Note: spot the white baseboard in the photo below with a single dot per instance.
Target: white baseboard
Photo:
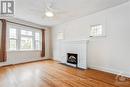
(109, 70)
(18, 62)
(113, 71)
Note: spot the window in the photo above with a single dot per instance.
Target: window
(96, 30)
(60, 36)
(25, 32)
(22, 39)
(37, 40)
(13, 39)
(26, 43)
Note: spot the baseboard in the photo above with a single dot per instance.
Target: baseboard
(31, 61)
(22, 62)
(113, 71)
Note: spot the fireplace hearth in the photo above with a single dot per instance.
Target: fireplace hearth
(72, 58)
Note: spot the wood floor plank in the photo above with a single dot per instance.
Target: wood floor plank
(52, 74)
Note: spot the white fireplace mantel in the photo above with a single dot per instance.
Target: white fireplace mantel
(76, 46)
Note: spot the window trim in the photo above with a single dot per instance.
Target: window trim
(18, 40)
(96, 25)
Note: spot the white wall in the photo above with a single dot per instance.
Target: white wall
(110, 53)
(14, 57)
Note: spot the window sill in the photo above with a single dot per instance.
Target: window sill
(25, 51)
(97, 36)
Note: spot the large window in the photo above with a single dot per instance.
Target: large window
(24, 39)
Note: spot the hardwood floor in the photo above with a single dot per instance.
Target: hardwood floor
(52, 74)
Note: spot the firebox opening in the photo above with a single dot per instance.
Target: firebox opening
(72, 58)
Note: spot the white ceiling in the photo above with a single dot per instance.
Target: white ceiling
(33, 10)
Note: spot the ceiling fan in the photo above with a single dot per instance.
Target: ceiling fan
(50, 11)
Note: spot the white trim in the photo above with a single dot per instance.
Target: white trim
(113, 71)
(24, 51)
(6, 64)
(18, 40)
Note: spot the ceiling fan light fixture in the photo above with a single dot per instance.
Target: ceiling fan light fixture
(49, 14)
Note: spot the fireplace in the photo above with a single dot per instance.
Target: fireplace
(75, 48)
(72, 58)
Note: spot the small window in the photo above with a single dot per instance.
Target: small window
(37, 41)
(13, 39)
(37, 36)
(12, 33)
(26, 43)
(12, 45)
(27, 33)
(96, 30)
(60, 36)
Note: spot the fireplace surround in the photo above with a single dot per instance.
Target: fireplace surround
(78, 47)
